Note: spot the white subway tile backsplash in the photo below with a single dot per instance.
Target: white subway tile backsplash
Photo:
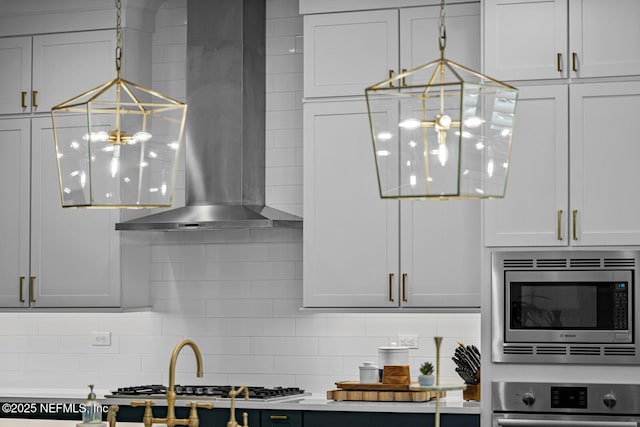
(288, 26)
(260, 327)
(320, 365)
(240, 364)
(320, 326)
(236, 293)
(239, 308)
(285, 346)
(285, 64)
(287, 82)
(282, 9)
(351, 346)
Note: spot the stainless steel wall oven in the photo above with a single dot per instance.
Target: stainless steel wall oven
(518, 404)
(565, 307)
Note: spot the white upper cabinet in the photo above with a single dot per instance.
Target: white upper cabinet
(65, 65)
(535, 208)
(15, 148)
(347, 52)
(573, 177)
(361, 251)
(440, 254)
(15, 72)
(604, 173)
(420, 34)
(550, 39)
(351, 234)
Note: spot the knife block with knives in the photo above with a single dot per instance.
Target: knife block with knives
(467, 360)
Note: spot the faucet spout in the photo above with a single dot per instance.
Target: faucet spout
(171, 391)
(174, 358)
(170, 420)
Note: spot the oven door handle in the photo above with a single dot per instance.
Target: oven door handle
(509, 422)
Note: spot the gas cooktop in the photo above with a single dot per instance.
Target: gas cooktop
(156, 391)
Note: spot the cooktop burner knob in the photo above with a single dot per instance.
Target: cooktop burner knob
(528, 398)
(609, 400)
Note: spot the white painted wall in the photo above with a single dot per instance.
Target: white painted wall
(236, 293)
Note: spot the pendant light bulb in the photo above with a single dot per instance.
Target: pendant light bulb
(443, 152)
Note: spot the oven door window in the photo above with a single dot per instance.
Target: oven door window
(568, 305)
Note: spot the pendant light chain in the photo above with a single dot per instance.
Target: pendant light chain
(118, 38)
(443, 30)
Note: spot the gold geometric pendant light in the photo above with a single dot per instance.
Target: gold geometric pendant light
(125, 153)
(449, 138)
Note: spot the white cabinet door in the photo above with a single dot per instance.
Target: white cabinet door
(420, 32)
(14, 212)
(440, 254)
(546, 39)
(605, 148)
(534, 211)
(74, 252)
(350, 234)
(525, 39)
(15, 75)
(605, 37)
(68, 64)
(347, 52)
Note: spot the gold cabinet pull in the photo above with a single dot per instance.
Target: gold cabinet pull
(575, 227)
(34, 98)
(32, 298)
(391, 287)
(404, 287)
(559, 224)
(404, 79)
(278, 417)
(23, 99)
(574, 62)
(391, 76)
(21, 288)
(559, 62)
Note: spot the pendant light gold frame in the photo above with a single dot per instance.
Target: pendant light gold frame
(118, 144)
(441, 131)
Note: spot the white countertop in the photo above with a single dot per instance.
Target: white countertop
(314, 402)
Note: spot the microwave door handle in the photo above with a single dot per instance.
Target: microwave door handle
(509, 422)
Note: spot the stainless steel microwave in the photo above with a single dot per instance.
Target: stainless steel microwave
(565, 307)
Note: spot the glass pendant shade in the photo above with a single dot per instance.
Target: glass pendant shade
(125, 154)
(442, 131)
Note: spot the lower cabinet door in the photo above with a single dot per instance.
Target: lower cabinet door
(386, 419)
(281, 418)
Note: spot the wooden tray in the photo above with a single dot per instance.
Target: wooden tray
(379, 392)
(356, 385)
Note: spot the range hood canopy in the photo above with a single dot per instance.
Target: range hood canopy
(225, 128)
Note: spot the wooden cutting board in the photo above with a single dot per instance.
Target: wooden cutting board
(379, 392)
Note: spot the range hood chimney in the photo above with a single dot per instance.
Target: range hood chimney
(225, 138)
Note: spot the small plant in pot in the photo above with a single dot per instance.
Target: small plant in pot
(426, 378)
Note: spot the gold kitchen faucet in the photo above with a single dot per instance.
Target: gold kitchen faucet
(170, 420)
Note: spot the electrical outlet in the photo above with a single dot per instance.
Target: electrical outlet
(101, 338)
(408, 340)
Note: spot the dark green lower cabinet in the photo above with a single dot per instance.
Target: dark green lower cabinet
(216, 417)
(281, 419)
(386, 419)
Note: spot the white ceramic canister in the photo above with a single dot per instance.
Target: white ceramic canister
(393, 355)
(368, 373)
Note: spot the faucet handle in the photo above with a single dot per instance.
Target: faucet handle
(194, 421)
(147, 418)
(147, 403)
(245, 419)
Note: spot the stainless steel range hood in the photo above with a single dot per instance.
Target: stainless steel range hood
(225, 139)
